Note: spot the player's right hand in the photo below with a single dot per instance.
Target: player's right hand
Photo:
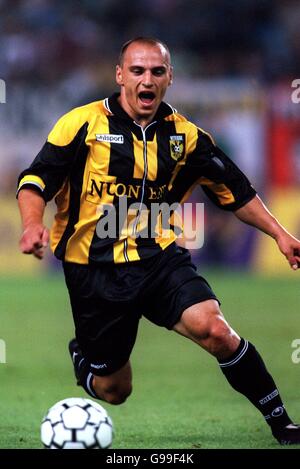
(290, 248)
(34, 240)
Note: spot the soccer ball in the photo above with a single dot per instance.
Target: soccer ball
(77, 423)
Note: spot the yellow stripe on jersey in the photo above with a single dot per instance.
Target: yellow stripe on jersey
(166, 236)
(118, 251)
(62, 216)
(68, 125)
(129, 232)
(166, 240)
(78, 245)
(152, 159)
(31, 179)
(89, 216)
(224, 194)
(139, 165)
(139, 162)
(99, 155)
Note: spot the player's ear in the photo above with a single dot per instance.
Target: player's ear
(119, 75)
(171, 76)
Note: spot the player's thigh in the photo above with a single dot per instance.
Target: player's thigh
(176, 287)
(105, 329)
(106, 332)
(200, 319)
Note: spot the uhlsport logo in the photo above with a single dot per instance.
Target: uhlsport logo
(177, 146)
(277, 412)
(110, 138)
(2, 92)
(98, 366)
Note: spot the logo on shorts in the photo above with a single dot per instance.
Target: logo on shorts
(99, 366)
(110, 138)
(177, 146)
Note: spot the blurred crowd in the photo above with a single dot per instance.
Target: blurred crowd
(66, 51)
(56, 42)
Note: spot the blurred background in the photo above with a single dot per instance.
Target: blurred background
(234, 66)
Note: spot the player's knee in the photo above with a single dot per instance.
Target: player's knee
(198, 321)
(220, 335)
(113, 393)
(205, 325)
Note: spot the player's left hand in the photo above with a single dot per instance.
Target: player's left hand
(290, 248)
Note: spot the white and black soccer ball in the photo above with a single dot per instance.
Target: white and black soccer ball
(77, 423)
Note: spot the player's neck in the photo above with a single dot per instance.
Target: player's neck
(141, 120)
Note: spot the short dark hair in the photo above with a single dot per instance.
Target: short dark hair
(145, 40)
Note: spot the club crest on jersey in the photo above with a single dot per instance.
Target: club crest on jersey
(177, 146)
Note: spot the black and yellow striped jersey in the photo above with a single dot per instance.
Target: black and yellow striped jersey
(97, 157)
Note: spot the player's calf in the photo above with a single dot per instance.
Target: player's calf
(111, 389)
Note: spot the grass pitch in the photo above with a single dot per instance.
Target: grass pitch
(180, 397)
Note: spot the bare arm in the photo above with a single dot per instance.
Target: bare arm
(255, 213)
(35, 235)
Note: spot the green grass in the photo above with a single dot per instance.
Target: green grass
(180, 398)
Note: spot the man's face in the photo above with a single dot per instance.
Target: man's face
(143, 77)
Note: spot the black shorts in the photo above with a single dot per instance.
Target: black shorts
(108, 301)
